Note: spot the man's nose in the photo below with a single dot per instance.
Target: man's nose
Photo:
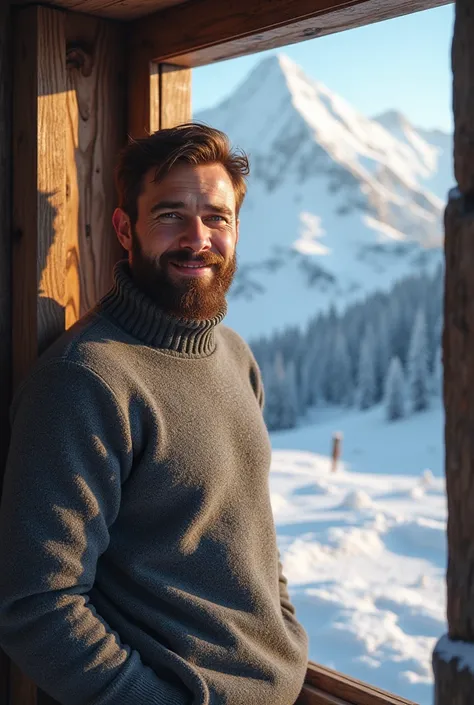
(197, 236)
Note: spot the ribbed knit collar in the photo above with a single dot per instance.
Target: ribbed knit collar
(142, 318)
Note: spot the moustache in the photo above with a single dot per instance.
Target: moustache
(184, 257)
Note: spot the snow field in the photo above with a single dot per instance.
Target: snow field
(365, 552)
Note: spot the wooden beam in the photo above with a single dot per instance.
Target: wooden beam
(454, 682)
(346, 689)
(159, 95)
(314, 696)
(143, 107)
(6, 65)
(203, 31)
(39, 183)
(112, 9)
(175, 95)
(39, 201)
(96, 120)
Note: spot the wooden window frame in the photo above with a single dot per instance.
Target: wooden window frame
(160, 56)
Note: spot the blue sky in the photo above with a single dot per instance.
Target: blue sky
(401, 64)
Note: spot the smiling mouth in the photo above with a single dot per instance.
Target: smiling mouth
(196, 268)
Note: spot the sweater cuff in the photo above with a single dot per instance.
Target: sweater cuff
(149, 689)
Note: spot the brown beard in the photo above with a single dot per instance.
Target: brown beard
(191, 298)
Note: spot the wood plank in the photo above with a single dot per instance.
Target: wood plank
(133, 9)
(454, 683)
(314, 696)
(463, 96)
(349, 689)
(112, 9)
(159, 96)
(39, 184)
(203, 31)
(39, 197)
(143, 107)
(96, 132)
(175, 95)
(6, 66)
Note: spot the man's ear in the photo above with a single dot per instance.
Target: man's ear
(123, 228)
(237, 231)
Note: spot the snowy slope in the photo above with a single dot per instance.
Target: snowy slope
(338, 204)
(364, 548)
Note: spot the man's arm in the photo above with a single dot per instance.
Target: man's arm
(70, 451)
(285, 602)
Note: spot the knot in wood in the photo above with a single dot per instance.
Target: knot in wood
(79, 56)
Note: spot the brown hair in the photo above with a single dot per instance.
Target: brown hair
(191, 143)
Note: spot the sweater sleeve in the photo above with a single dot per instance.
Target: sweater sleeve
(285, 602)
(70, 451)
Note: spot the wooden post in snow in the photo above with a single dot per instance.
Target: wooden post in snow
(336, 450)
(453, 658)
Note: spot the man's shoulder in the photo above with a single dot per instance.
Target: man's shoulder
(234, 342)
(238, 348)
(91, 344)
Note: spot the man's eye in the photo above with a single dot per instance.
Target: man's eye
(216, 217)
(169, 215)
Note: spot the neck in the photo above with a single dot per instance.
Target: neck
(137, 313)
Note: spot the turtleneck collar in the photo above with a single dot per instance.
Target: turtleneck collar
(142, 318)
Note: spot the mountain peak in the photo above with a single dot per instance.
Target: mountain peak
(392, 120)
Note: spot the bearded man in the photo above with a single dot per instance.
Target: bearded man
(138, 556)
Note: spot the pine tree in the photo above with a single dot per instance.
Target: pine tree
(418, 374)
(366, 372)
(338, 370)
(280, 400)
(437, 377)
(382, 356)
(293, 406)
(395, 391)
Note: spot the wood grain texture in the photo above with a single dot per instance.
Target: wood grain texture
(143, 101)
(349, 689)
(203, 31)
(463, 95)
(39, 184)
(159, 96)
(5, 268)
(6, 67)
(95, 133)
(112, 9)
(39, 196)
(455, 687)
(175, 95)
(314, 696)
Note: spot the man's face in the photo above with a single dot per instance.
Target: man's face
(182, 247)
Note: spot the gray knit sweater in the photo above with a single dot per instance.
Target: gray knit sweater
(138, 560)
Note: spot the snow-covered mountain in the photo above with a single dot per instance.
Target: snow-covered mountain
(338, 205)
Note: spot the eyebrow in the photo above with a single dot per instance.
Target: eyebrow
(167, 205)
(176, 205)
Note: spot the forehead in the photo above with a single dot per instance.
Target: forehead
(208, 183)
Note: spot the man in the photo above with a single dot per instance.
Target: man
(138, 560)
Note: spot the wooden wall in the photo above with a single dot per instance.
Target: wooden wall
(159, 95)
(454, 682)
(70, 104)
(96, 116)
(5, 301)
